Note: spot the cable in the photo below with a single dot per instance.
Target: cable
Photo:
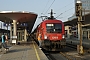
(64, 12)
(50, 6)
(66, 5)
(66, 15)
(45, 6)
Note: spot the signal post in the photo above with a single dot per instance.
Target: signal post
(79, 15)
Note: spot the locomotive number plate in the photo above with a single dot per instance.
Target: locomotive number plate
(54, 37)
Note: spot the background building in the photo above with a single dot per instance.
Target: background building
(86, 24)
(85, 4)
(85, 7)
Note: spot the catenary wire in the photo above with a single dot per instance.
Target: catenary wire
(66, 15)
(49, 7)
(65, 6)
(45, 6)
(64, 12)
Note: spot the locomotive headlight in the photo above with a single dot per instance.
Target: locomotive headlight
(45, 36)
(63, 36)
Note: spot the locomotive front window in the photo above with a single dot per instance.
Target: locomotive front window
(54, 28)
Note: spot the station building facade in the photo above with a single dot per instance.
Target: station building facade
(71, 28)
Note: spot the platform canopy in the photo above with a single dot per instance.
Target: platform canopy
(24, 19)
(73, 22)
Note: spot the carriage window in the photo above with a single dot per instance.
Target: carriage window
(54, 28)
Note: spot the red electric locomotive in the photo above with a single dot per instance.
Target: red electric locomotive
(52, 34)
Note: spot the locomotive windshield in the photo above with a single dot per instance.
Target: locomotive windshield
(54, 28)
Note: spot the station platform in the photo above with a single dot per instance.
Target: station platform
(24, 52)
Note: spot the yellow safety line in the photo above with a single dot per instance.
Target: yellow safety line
(36, 52)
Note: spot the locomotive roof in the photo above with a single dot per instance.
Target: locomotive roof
(55, 20)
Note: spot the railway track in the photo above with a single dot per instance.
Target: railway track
(72, 53)
(67, 54)
(60, 55)
(50, 57)
(55, 56)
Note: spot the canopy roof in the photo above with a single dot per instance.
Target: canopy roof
(21, 17)
(85, 20)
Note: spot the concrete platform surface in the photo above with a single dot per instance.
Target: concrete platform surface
(24, 52)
